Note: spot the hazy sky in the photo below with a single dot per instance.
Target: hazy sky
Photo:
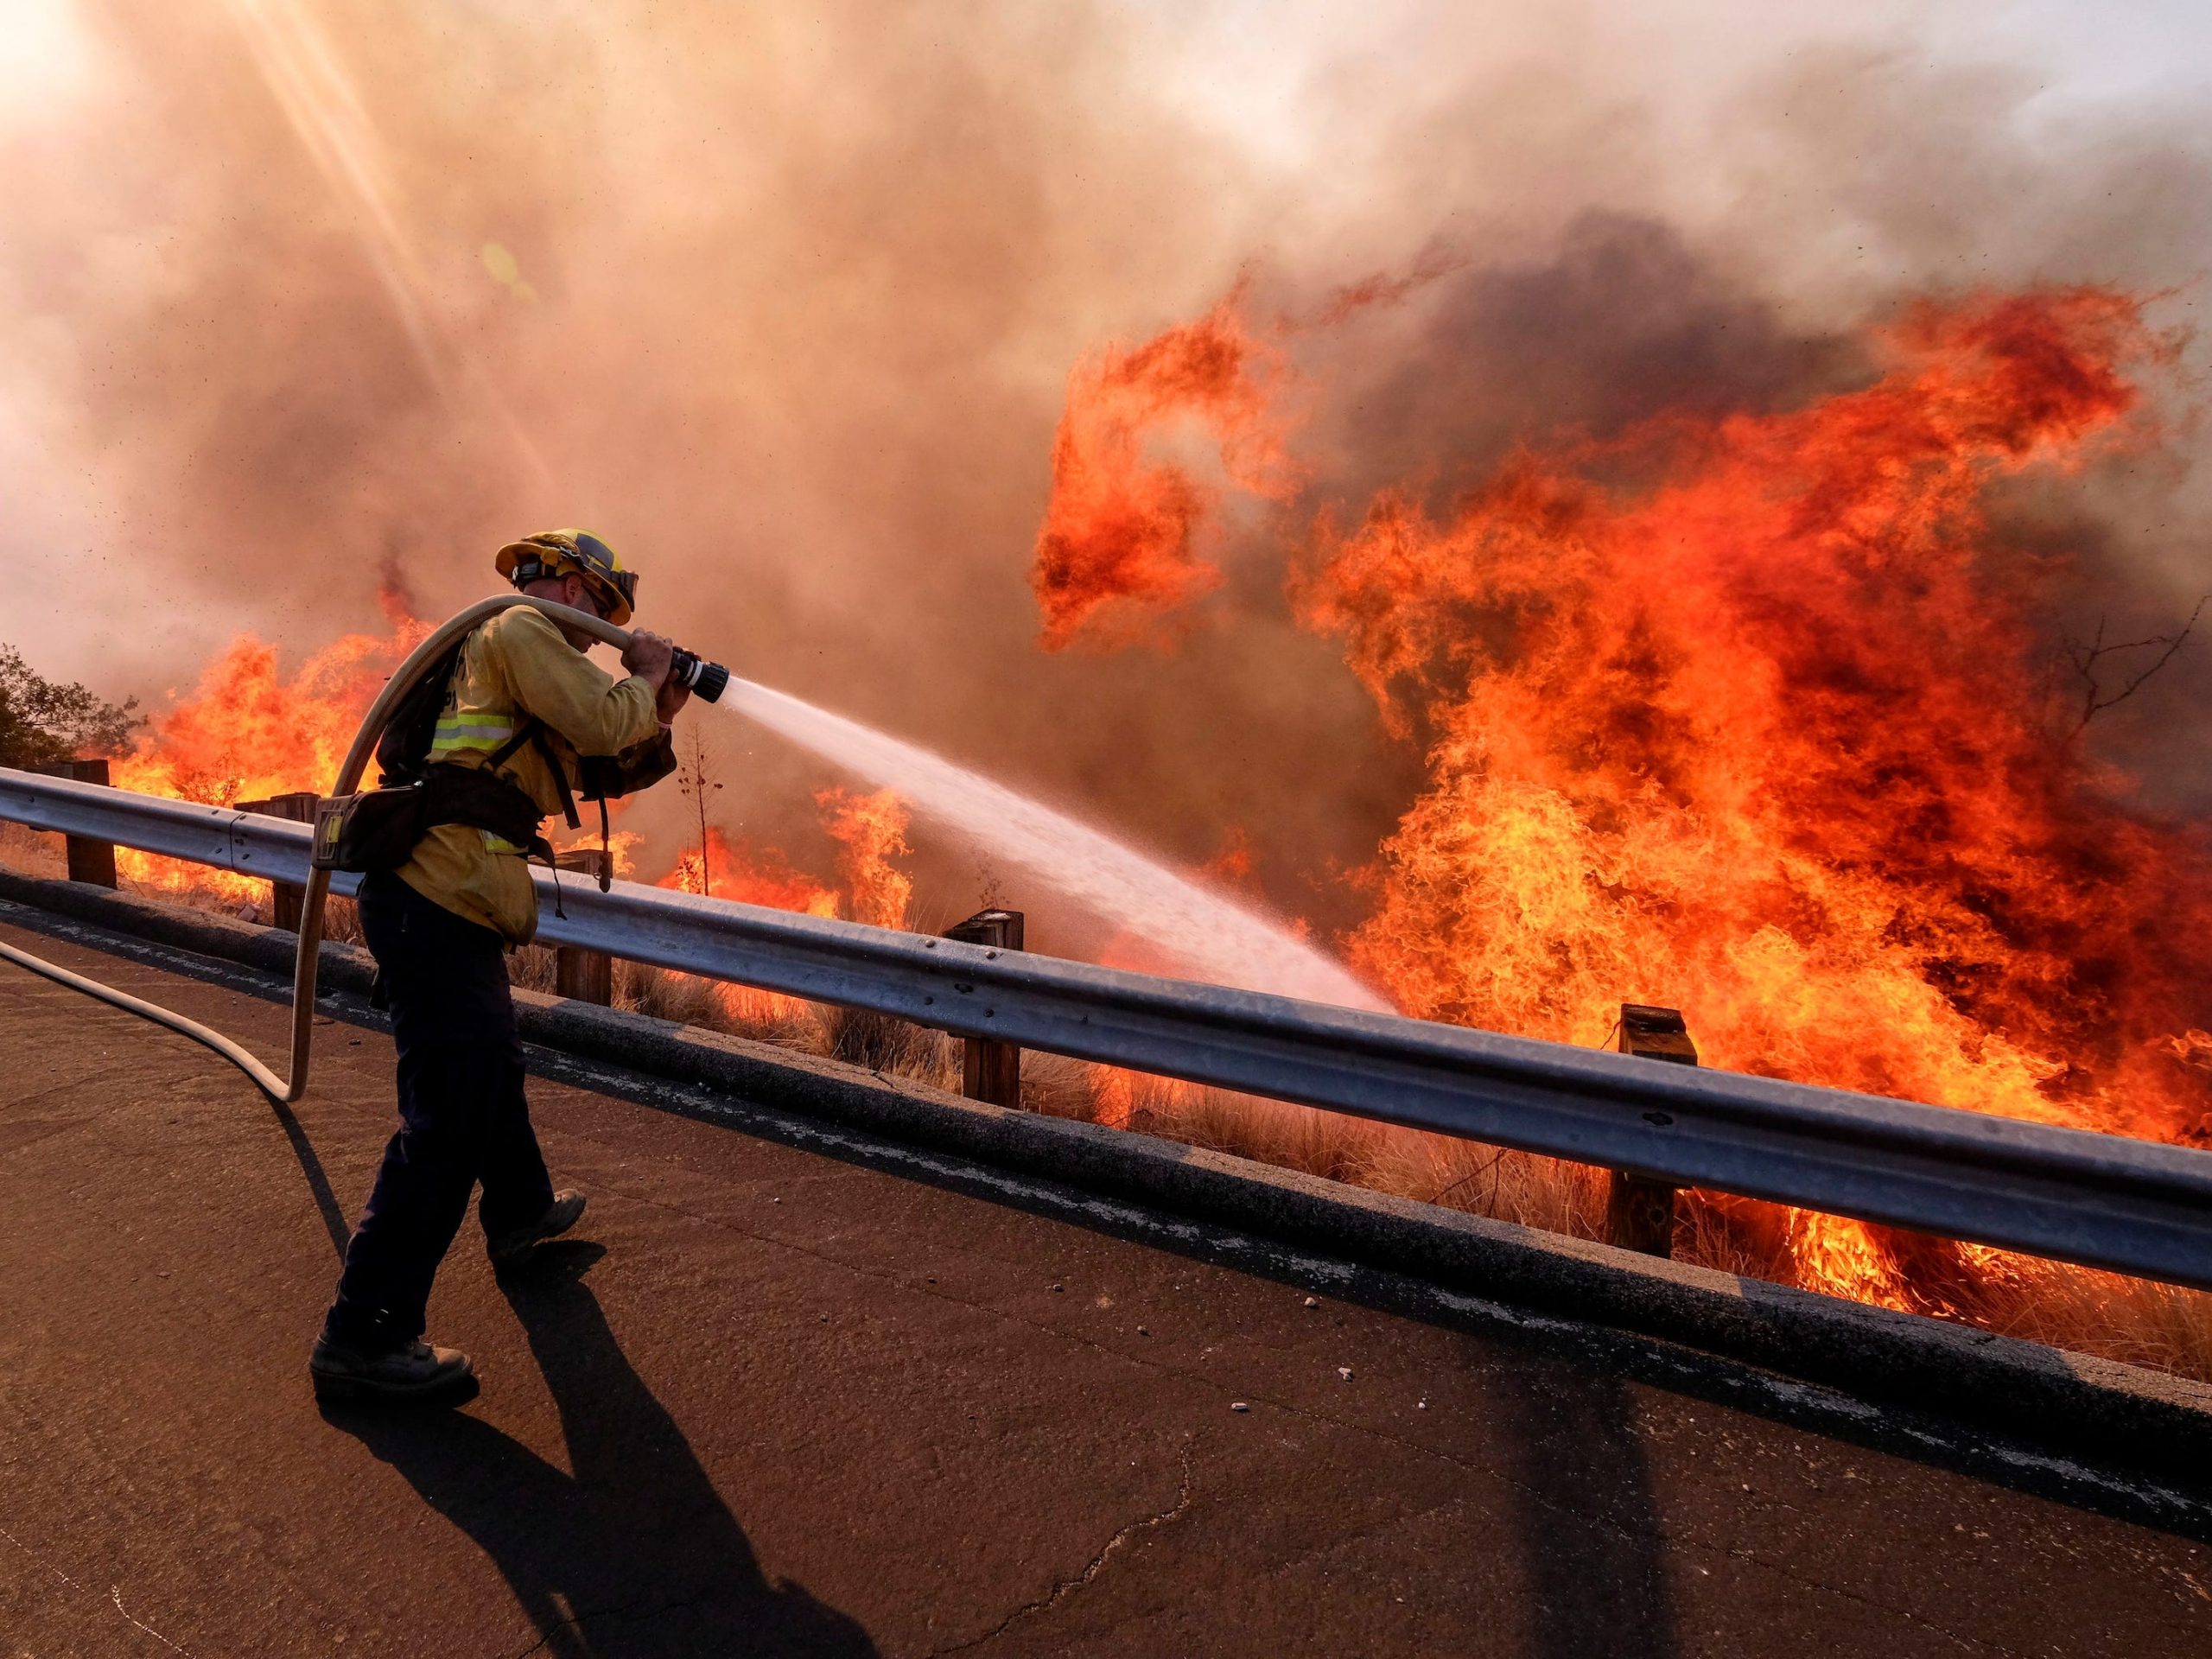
(1302, 89)
(1252, 64)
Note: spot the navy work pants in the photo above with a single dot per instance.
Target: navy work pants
(462, 1116)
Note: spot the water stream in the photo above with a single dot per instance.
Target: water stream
(1214, 936)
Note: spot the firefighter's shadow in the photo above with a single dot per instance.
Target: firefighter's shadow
(1591, 1541)
(636, 1555)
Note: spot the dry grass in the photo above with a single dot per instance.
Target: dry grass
(1522, 1187)
(28, 852)
(873, 1040)
(1053, 1085)
(2162, 1326)
(892, 1046)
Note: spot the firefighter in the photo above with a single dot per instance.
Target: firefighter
(526, 707)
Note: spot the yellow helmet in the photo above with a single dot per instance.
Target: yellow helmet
(552, 553)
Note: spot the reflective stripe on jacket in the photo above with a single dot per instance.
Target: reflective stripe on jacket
(458, 734)
(515, 666)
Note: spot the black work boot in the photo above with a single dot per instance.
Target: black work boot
(415, 1373)
(512, 1247)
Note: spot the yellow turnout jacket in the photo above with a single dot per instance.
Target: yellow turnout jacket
(518, 664)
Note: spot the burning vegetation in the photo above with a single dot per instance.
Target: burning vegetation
(1748, 715)
(1119, 545)
(750, 875)
(248, 731)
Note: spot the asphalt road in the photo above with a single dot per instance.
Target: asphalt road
(778, 1400)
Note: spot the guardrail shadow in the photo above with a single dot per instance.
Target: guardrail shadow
(634, 1556)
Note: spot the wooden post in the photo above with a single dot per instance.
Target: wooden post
(89, 861)
(289, 902)
(990, 1069)
(1639, 1211)
(580, 975)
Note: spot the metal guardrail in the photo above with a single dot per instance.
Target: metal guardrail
(2102, 1200)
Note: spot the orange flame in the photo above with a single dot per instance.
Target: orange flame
(872, 832)
(1118, 549)
(1232, 866)
(1762, 735)
(621, 844)
(749, 875)
(248, 732)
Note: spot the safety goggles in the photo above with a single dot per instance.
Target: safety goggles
(599, 558)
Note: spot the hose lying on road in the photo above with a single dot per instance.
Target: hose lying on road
(270, 1083)
(418, 662)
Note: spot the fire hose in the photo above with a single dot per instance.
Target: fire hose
(688, 670)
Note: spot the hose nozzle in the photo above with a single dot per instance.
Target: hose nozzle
(696, 674)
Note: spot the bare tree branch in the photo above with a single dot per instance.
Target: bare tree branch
(2086, 659)
(694, 780)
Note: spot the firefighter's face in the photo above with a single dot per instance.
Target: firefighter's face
(573, 591)
(583, 595)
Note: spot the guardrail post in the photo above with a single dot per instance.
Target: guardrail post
(990, 1069)
(298, 805)
(580, 975)
(1640, 1212)
(89, 861)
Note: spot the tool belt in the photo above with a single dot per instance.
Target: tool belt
(379, 828)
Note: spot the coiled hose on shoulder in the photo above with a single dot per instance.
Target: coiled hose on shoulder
(418, 662)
